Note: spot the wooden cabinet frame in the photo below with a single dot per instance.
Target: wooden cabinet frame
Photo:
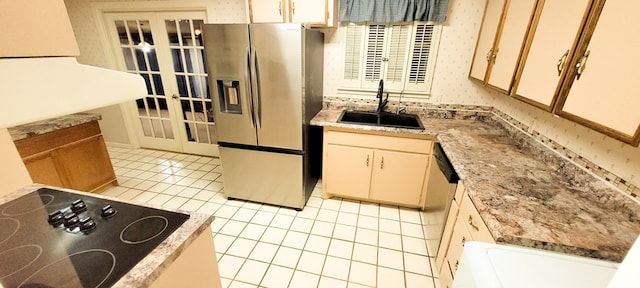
(566, 77)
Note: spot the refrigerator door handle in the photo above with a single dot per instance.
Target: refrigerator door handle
(255, 84)
(257, 67)
(247, 77)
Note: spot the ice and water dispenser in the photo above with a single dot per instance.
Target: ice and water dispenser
(229, 94)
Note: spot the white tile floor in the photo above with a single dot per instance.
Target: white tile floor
(331, 243)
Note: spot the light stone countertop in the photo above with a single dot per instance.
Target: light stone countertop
(49, 125)
(527, 194)
(149, 268)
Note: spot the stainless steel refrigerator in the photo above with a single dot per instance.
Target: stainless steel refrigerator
(266, 83)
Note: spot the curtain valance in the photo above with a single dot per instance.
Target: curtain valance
(392, 11)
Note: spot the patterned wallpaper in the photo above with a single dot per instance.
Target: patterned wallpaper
(451, 86)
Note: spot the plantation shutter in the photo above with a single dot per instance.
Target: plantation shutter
(421, 67)
(374, 52)
(396, 56)
(353, 55)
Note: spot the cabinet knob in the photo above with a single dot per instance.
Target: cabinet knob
(280, 7)
(367, 162)
(474, 226)
(582, 64)
(382, 163)
(561, 61)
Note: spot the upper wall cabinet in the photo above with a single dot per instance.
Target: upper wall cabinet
(314, 13)
(578, 60)
(504, 30)
(36, 28)
(602, 87)
(553, 37)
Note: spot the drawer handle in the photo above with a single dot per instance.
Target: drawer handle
(473, 225)
(367, 162)
(488, 57)
(463, 240)
(382, 163)
(280, 7)
(455, 267)
(582, 64)
(561, 61)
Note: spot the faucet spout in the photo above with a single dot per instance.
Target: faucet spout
(381, 102)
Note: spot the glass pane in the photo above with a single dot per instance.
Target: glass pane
(197, 107)
(157, 82)
(141, 107)
(157, 128)
(172, 32)
(209, 112)
(205, 85)
(146, 31)
(187, 59)
(146, 127)
(195, 87)
(168, 131)
(191, 128)
(133, 30)
(177, 60)
(148, 82)
(128, 59)
(186, 107)
(153, 60)
(203, 136)
(142, 63)
(182, 85)
(201, 60)
(197, 27)
(122, 32)
(185, 30)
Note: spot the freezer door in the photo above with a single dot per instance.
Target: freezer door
(278, 70)
(227, 54)
(266, 177)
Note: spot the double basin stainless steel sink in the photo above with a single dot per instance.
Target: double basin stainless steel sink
(385, 119)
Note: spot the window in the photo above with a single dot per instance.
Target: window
(401, 54)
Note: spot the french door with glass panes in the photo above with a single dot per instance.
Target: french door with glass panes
(165, 48)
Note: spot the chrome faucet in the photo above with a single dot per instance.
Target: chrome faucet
(381, 102)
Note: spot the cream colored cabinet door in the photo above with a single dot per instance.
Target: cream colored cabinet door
(36, 28)
(548, 54)
(348, 170)
(268, 11)
(308, 11)
(604, 94)
(512, 33)
(398, 177)
(486, 39)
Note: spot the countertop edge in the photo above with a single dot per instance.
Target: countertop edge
(49, 125)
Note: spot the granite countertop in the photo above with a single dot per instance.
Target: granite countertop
(49, 125)
(527, 194)
(149, 268)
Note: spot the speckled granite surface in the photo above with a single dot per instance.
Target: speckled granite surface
(526, 193)
(147, 270)
(49, 125)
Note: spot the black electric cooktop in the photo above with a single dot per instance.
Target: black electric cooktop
(52, 238)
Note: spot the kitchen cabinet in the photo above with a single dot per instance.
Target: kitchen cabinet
(75, 157)
(507, 39)
(600, 91)
(36, 28)
(313, 13)
(549, 51)
(577, 61)
(463, 225)
(375, 167)
(197, 263)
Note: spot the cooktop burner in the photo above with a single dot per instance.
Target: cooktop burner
(52, 238)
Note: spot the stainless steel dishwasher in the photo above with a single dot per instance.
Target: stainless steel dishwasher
(441, 189)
